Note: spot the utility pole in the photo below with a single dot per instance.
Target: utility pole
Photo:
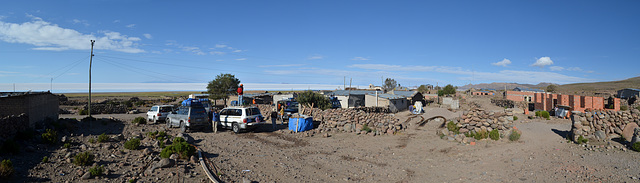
(90, 63)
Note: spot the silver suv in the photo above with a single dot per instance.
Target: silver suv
(188, 118)
(159, 113)
(241, 118)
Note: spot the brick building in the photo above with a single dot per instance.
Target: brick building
(547, 101)
(36, 105)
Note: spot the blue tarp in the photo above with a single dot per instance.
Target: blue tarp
(191, 102)
(304, 124)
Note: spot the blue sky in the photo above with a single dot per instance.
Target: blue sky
(318, 42)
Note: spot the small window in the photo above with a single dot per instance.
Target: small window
(165, 109)
(153, 108)
(224, 112)
(238, 112)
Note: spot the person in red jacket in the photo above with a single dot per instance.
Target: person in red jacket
(240, 91)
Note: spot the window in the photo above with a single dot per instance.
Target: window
(224, 112)
(165, 109)
(253, 111)
(153, 109)
(238, 112)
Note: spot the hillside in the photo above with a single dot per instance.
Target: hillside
(501, 86)
(599, 87)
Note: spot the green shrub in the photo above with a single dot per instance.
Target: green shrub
(494, 134)
(482, 134)
(140, 102)
(638, 107)
(624, 107)
(96, 170)
(67, 145)
(158, 135)
(132, 180)
(469, 134)
(582, 140)
(45, 159)
(515, 135)
(179, 146)
(537, 113)
(636, 146)
(6, 168)
(83, 112)
(92, 140)
(50, 136)
(103, 138)
(83, 159)
(545, 114)
(365, 127)
(515, 118)
(10, 146)
(132, 144)
(453, 127)
(139, 120)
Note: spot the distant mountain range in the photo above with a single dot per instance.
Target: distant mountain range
(597, 88)
(501, 86)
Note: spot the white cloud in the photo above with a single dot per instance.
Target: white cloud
(386, 67)
(285, 65)
(502, 63)
(216, 53)
(315, 57)
(359, 58)
(7, 72)
(241, 59)
(83, 22)
(237, 51)
(574, 69)
(116, 21)
(543, 61)
(48, 36)
(221, 46)
(556, 68)
(131, 26)
(148, 36)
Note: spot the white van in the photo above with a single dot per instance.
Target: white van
(241, 118)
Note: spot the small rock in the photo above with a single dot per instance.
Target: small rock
(173, 156)
(86, 176)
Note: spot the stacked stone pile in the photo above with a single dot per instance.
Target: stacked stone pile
(478, 119)
(601, 124)
(10, 125)
(503, 102)
(353, 121)
(374, 109)
(107, 109)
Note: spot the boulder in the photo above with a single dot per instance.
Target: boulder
(628, 131)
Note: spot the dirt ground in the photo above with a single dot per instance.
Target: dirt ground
(415, 155)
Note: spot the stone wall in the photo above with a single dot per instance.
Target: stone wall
(602, 124)
(476, 120)
(37, 107)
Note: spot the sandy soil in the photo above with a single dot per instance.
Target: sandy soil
(415, 155)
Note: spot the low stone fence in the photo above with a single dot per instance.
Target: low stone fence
(477, 120)
(603, 124)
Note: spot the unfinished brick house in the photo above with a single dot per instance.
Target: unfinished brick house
(483, 93)
(547, 101)
(522, 94)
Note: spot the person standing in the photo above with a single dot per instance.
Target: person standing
(240, 92)
(274, 116)
(282, 115)
(215, 119)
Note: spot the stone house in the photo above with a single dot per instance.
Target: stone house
(38, 106)
(351, 98)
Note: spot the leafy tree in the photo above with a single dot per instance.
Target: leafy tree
(447, 90)
(552, 88)
(223, 86)
(423, 89)
(318, 100)
(390, 84)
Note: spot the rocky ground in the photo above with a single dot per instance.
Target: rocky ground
(414, 154)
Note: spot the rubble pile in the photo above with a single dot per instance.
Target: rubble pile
(107, 109)
(10, 125)
(602, 124)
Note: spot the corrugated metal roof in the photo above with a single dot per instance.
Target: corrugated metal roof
(405, 94)
(388, 96)
(352, 92)
(527, 89)
(13, 94)
(634, 89)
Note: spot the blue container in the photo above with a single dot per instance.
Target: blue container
(191, 102)
(304, 124)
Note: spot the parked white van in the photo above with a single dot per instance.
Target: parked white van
(241, 118)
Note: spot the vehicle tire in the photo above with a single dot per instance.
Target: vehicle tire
(169, 125)
(235, 127)
(155, 120)
(183, 127)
